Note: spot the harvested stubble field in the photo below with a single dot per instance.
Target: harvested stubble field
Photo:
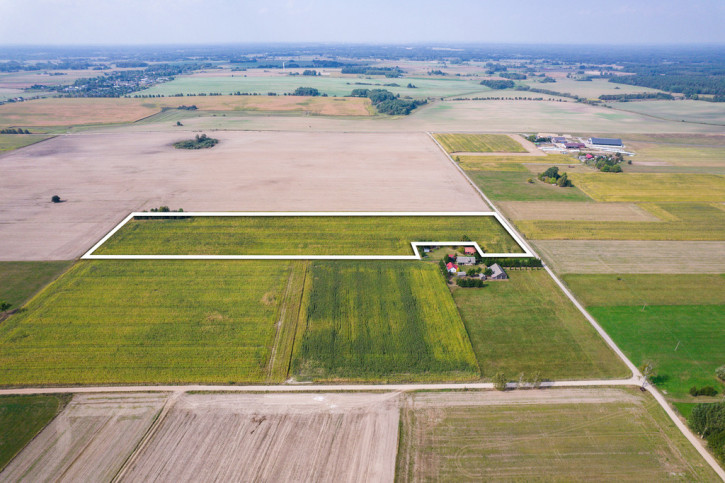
(378, 320)
(679, 222)
(617, 256)
(570, 435)
(88, 441)
(302, 235)
(302, 171)
(527, 324)
(479, 143)
(147, 321)
(652, 153)
(273, 437)
(515, 186)
(683, 112)
(652, 187)
(82, 111)
(22, 417)
(574, 211)
(588, 89)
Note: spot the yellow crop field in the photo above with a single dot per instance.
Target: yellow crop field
(479, 143)
(656, 187)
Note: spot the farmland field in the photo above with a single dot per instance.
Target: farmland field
(8, 142)
(588, 89)
(22, 417)
(557, 435)
(479, 143)
(73, 111)
(655, 187)
(635, 256)
(21, 280)
(147, 321)
(712, 113)
(89, 440)
(514, 186)
(526, 324)
(681, 221)
(678, 154)
(273, 437)
(574, 211)
(469, 162)
(639, 289)
(684, 342)
(332, 86)
(303, 235)
(377, 320)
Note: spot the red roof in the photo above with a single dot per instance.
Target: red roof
(451, 265)
(469, 250)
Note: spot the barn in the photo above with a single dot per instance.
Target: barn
(606, 142)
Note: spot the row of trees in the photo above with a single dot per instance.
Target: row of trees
(11, 130)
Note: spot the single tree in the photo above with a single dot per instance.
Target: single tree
(55, 199)
(4, 306)
(499, 381)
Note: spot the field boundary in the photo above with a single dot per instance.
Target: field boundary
(89, 255)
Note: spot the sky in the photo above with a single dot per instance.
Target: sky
(130, 22)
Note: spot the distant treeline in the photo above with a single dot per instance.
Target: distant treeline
(512, 75)
(514, 262)
(641, 95)
(368, 70)
(498, 84)
(388, 103)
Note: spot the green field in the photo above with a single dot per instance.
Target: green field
(588, 89)
(330, 85)
(8, 142)
(654, 187)
(711, 113)
(479, 143)
(514, 186)
(624, 438)
(147, 321)
(638, 289)
(22, 417)
(372, 320)
(527, 324)
(303, 235)
(685, 342)
(681, 222)
(21, 280)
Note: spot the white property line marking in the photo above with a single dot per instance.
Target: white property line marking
(89, 255)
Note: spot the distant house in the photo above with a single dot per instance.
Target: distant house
(497, 272)
(469, 250)
(451, 267)
(606, 142)
(574, 145)
(466, 260)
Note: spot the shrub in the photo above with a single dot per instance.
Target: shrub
(55, 199)
(703, 391)
(199, 142)
(708, 420)
(499, 381)
(720, 373)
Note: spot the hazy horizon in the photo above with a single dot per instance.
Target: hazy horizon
(215, 22)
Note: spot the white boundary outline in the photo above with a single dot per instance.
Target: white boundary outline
(527, 253)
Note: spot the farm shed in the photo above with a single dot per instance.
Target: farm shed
(574, 145)
(469, 250)
(466, 260)
(497, 272)
(608, 142)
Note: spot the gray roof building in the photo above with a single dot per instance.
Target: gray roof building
(466, 260)
(498, 273)
(606, 141)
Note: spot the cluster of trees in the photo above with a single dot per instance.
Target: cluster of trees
(547, 80)
(533, 381)
(311, 72)
(639, 96)
(607, 164)
(512, 75)
(470, 282)
(10, 130)
(391, 72)
(536, 139)
(199, 142)
(708, 420)
(498, 84)
(529, 262)
(306, 91)
(188, 108)
(437, 72)
(552, 176)
(703, 391)
(388, 103)
(162, 209)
